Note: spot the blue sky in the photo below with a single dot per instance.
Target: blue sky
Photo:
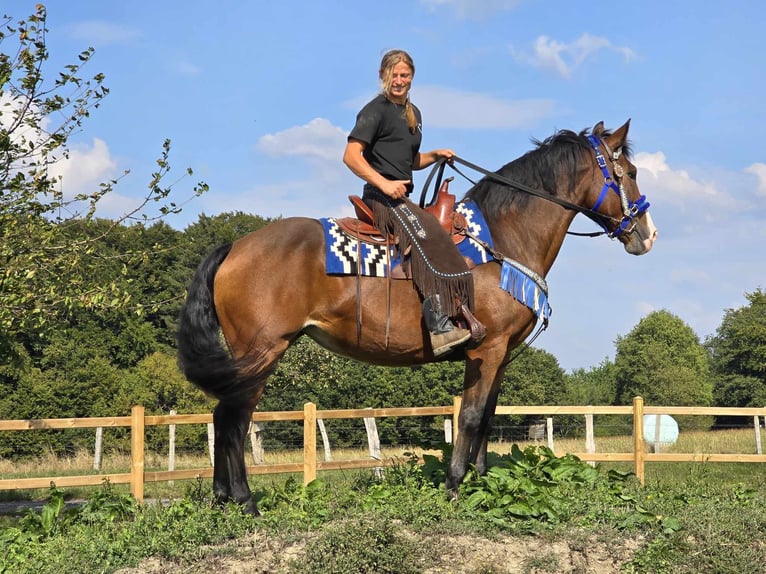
(258, 97)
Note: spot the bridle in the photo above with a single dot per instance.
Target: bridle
(631, 210)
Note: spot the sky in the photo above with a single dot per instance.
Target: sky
(258, 98)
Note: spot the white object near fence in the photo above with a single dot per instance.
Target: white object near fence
(99, 440)
(373, 442)
(211, 443)
(325, 440)
(660, 431)
(256, 442)
(549, 431)
(448, 430)
(590, 439)
(172, 446)
(757, 424)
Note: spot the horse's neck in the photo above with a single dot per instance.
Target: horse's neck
(532, 235)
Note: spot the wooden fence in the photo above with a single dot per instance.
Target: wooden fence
(138, 421)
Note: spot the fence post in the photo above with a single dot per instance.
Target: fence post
(137, 428)
(100, 439)
(457, 403)
(325, 440)
(211, 442)
(638, 438)
(309, 442)
(549, 431)
(172, 446)
(657, 432)
(590, 441)
(373, 442)
(756, 420)
(256, 442)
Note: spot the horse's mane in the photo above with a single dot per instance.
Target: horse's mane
(542, 168)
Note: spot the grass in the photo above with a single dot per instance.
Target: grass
(689, 518)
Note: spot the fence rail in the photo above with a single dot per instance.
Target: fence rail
(138, 421)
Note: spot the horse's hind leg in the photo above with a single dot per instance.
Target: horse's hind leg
(231, 423)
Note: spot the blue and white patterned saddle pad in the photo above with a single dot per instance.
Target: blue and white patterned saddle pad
(341, 257)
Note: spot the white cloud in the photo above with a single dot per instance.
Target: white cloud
(316, 140)
(450, 108)
(86, 167)
(759, 171)
(102, 33)
(679, 187)
(472, 9)
(564, 58)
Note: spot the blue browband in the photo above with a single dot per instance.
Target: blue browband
(630, 209)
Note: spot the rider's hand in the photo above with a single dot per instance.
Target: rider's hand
(395, 189)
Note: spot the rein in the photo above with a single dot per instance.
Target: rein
(631, 210)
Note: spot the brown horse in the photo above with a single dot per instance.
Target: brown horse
(268, 288)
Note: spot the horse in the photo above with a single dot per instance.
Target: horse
(250, 299)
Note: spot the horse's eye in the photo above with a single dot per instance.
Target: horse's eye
(632, 174)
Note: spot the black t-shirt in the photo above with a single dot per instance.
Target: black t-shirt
(391, 148)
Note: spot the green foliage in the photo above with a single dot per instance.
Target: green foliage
(50, 263)
(526, 485)
(738, 354)
(296, 503)
(662, 360)
(366, 545)
(594, 386)
(110, 530)
(398, 522)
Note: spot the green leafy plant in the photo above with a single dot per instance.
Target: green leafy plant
(526, 485)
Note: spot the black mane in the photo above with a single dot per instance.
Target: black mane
(553, 163)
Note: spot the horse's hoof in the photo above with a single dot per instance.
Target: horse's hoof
(249, 507)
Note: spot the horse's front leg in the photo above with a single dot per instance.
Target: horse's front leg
(231, 423)
(480, 390)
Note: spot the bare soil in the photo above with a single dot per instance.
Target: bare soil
(259, 554)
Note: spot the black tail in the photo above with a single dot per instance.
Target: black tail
(202, 356)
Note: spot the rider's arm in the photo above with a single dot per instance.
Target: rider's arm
(424, 159)
(355, 161)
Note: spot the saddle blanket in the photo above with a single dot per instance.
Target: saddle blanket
(341, 258)
(341, 249)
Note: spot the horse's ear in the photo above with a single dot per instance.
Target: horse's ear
(619, 137)
(598, 129)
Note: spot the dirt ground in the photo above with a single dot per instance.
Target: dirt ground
(257, 554)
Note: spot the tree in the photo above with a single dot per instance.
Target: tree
(47, 262)
(596, 386)
(738, 354)
(662, 360)
(533, 377)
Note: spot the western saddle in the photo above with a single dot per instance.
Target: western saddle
(443, 209)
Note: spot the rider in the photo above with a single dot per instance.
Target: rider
(383, 148)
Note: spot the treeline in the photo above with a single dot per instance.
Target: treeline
(101, 362)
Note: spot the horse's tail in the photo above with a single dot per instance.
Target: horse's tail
(202, 356)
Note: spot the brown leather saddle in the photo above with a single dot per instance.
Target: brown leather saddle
(443, 209)
(363, 228)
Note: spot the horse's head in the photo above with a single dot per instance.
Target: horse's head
(618, 205)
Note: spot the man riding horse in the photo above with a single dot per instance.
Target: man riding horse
(383, 148)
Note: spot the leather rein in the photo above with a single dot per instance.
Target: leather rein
(631, 210)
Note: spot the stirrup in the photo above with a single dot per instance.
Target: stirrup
(478, 331)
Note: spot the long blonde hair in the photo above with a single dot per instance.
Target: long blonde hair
(391, 59)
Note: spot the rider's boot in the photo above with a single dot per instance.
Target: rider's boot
(445, 336)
